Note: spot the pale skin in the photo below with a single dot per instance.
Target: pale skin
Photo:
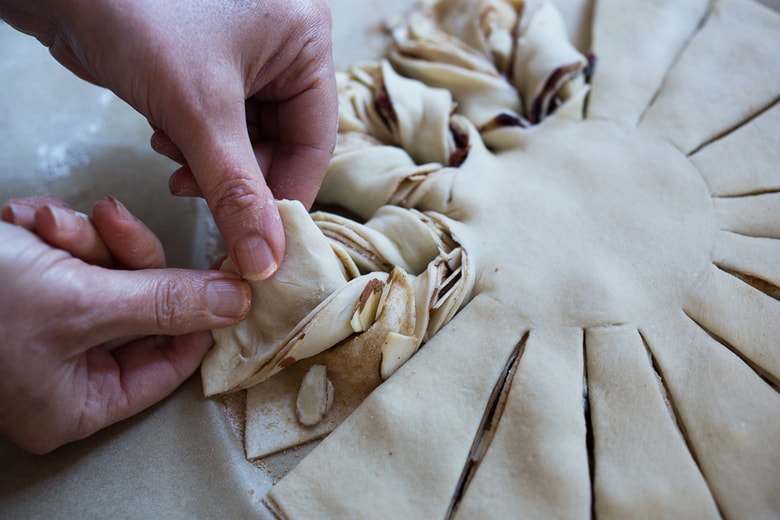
(242, 95)
(94, 327)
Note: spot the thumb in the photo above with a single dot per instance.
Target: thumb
(160, 302)
(218, 151)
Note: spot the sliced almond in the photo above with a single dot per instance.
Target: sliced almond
(366, 308)
(329, 398)
(396, 350)
(315, 396)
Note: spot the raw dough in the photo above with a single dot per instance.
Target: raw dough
(609, 345)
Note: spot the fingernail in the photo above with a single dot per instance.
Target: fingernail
(19, 214)
(122, 213)
(255, 259)
(64, 220)
(227, 298)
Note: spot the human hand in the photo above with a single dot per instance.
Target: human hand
(85, 346)
(242, 93)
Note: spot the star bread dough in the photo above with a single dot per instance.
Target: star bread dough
(550, 288)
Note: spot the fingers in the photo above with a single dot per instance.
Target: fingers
(72, 231)
(113, 236)
(246, 214)
(111, 304)
(54, 222)
(100, 387)
(295, 157)
(137, 375)
(163, 145)
(301, 157)
(182, 183)
(21, 212)
(128, 240)
(297, 119)
(223, 163)
(167, 361)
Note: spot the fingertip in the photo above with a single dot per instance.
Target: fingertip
(100, 207)
(54, 221)
(229, 298)
(182, 183)
(48, 225)
(111, 208)
(222, 168)
(127, 238)
(21, 211)
(252, 230)
(19, 215)
(248, 219)
(254, 258)
(162, 144)
(71, 231)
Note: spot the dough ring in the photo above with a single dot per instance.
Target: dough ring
(581, 265)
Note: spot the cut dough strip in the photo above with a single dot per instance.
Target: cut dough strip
(404, 471)
(353, 368)
(643, 467)
(487, 26)
(314, 299)
(535, 55)
(547, 69)
(726, 307)
(723, 163)
(494, 411)
(754, 257)
(310, 272)
(636, 42)
(756, 215)
(543, 419)
(441, 61)
(392, 237)
(396, 110)
(375, 171)
(738, 40)
(578, 15)
(328, 324)
(730, 416)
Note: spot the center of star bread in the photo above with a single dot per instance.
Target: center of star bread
(586, 223)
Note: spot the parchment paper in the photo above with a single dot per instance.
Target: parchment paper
(59, 135)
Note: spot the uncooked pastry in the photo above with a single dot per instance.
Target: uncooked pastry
(590, 271)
